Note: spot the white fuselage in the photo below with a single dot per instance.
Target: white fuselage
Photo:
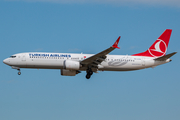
(41, 60)
(72, 64)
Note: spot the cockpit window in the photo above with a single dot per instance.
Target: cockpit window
(12, 56)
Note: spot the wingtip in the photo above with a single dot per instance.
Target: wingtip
(115, 45)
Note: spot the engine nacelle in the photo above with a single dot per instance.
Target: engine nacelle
(68, 72)
(71, 65)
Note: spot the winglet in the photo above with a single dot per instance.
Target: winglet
(115, 45)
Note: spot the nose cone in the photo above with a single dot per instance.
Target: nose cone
(5, 61)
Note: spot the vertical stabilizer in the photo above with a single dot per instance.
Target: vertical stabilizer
(159, 47)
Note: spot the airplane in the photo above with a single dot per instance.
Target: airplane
(72, 64)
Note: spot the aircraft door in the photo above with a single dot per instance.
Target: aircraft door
(143, 62)
(24, 57)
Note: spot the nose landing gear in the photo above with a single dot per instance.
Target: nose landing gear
(17, 68)
(19, 73)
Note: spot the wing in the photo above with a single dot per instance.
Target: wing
(96, 59)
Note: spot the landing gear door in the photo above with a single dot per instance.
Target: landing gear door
(24, 57)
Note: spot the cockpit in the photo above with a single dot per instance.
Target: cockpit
(12, 56)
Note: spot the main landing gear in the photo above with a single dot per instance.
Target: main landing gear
(89, 73)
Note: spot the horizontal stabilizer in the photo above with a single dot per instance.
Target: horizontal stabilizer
(165, 57)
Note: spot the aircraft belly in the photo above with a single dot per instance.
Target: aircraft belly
(125, 68)
(43, 64)
(118, 69)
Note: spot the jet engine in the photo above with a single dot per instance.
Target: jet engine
(71, 65)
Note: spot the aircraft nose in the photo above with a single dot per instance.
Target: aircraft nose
(5, 61)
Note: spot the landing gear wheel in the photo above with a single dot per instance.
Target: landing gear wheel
(88, 76)
(89, 73)
(19, 73)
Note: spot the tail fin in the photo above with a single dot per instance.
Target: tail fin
(159, 47)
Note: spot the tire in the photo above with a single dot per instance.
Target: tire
(88, 76)
(90, 72)
(19, 73)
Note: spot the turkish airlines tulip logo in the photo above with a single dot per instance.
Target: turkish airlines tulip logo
(158, 49)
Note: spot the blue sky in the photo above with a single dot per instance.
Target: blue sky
(88, 27)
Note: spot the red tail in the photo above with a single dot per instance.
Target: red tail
(159, 47)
